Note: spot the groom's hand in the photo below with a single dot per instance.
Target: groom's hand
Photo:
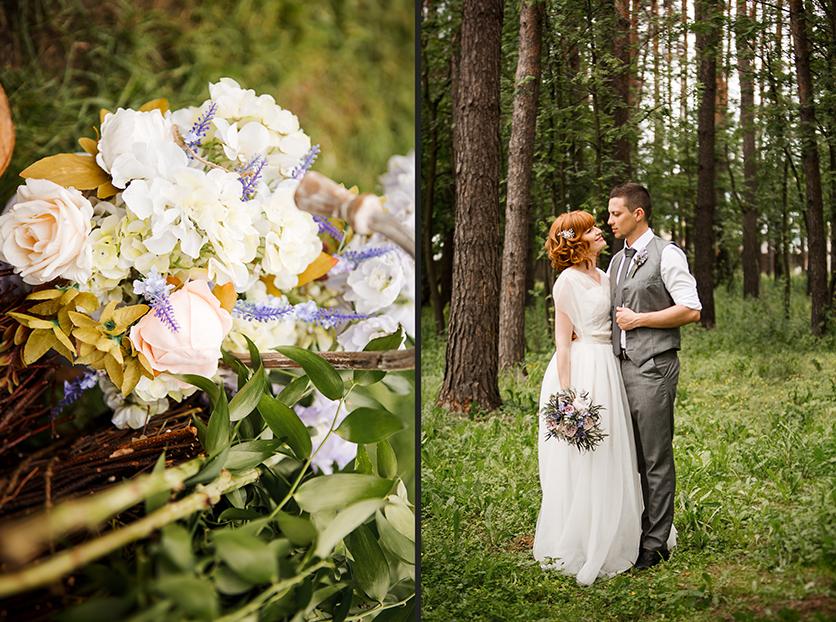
(627, 319)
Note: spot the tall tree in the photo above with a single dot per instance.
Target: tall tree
(817, 262)
(518, 204)
(745, 40)
(708, 16)
(471, 370)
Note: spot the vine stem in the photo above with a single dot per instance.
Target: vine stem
(67, 561)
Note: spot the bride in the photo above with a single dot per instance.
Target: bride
(590, 518)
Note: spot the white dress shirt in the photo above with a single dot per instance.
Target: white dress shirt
(678, 280)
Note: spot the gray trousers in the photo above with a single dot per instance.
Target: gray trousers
(651, 391)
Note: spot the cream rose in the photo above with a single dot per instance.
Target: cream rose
(44, 235)
(196, 347)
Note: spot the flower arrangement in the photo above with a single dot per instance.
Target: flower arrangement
(638, 259)
(572, 417)
(176, 234)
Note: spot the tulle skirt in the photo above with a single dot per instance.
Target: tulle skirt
(590, 518)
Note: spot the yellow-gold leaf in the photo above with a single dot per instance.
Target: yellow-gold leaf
(226, 296)
(319, 266)
(94, 359)
(64, 340)
(160, 104)
(102, 114)
(131, 376)
(39, 324)
(106, 190)
(81, 320)
(21, 317)
(20, 334)
(268, 281)
(114, 370)
(45, 294)
(60, 349)
(69, 295)
(64, 320)
(89, 145)
(48, 307)
(68, 169)
(116, 353)
(86, 301)
(39, 343)
(88, 335)
(126, 316)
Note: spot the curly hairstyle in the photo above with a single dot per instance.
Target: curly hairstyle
(564, 252)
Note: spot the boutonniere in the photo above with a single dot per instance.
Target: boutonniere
(638, 259)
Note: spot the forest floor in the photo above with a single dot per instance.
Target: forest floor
(755, 448)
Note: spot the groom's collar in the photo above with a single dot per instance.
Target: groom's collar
(642, 242)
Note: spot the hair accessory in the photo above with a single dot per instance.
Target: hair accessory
(567, 234)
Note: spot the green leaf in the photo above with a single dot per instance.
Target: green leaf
(241, 370)
(362, 463)
(322, 375)
(400, 546)
(176, 545)
(406, 613)
(210, 470)
(204, 384)
(158, 499)
(387, 461)
(339, 490)
(219, 432)
(248, 556)
(344, 523)
(250, 454)
(255, 355)
(369, 425)
(298, 530)
(371, 570)
(238, 514)
(201, 430)
(246, 400)
(227, 581)
(341, 610)
(97, 610)
(294, 391)
(194, 596)
(286, 424)
(366, 377)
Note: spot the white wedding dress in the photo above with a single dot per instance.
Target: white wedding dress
(590, 518)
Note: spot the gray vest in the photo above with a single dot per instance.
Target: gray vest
(644, 292)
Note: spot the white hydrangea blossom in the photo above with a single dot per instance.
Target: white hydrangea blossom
(376, 283)
(357, 336)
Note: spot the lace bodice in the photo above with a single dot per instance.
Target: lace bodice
(587, 304)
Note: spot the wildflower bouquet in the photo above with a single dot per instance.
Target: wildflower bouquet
(176, 234)
(573, 417)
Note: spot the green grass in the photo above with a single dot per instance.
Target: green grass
(755, 448)
(344, 67)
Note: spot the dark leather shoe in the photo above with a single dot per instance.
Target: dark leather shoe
(648, 559)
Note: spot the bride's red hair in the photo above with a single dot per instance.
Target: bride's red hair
(569, 251)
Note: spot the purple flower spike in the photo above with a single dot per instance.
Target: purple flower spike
(155, 291)
(356, 257)
(250, 174)
(75, 388)
(303, 168)
(261, 311)
(195, 136)
(325, 226)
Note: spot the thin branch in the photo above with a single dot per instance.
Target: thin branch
(386, 360)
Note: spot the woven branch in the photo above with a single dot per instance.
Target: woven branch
(384, 360)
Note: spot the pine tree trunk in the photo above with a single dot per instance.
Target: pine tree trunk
(708, 39)
(471, 370)
(817, 262)
(751, 247)
(516, 248)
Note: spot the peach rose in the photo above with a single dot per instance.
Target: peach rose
(44, 234)
(196, 346)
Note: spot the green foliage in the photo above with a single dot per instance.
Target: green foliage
(292, 543)
(754, 447)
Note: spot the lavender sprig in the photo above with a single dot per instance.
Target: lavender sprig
(325, 226)
(155, 291)
(75, 388)
(194, 137)
(356, 257)
(307, 162)
(261, 311)
(310, 313)
(250, 174)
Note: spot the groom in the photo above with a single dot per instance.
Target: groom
(653, 294)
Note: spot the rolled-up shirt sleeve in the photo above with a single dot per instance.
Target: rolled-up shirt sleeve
(678, 279)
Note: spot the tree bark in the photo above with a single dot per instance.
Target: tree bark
(817, 248)
(708, 14)
(471, 372)
(751, 247)
(518, 204)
